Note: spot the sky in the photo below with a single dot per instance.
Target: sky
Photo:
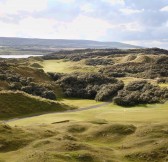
(138, 22)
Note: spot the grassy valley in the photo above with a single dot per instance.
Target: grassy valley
(90, 105)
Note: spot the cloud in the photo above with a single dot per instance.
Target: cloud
(38, 28)
(114, 2)
(137, 21)
(16, 6)
(129, 11)
(145, 43)
(84, 27)
(87, 8)
(132, 26)
(65, 1)
(164, 9)
(146, 4)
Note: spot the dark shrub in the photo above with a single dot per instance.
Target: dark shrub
(55, 76)
(102, 61)
(30, 79)
(108, 91)
(134, 86)
(140, 92)
(24, 81)
(27, 89)
(2, 76)
(49, 95)
(161, 80)
(15, 86)
(84, 85)
(13, 78)
(39, 90)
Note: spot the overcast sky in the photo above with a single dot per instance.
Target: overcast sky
(140, 22)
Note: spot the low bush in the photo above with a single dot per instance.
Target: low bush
(108, 91)
(55, 76)
(94, 62)
(86, 85)
(140, 92)
(38, 90)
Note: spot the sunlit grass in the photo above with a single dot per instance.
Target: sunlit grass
(111, 112)
(127, 80)
(79, 103)
(163, 85)
(63, 66)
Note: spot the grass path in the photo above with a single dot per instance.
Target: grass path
(139, 114)
(68, 111)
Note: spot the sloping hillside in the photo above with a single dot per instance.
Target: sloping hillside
(59, 43)
(15, 104)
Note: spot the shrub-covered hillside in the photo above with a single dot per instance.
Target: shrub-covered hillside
(141, 92)
(104, 88)
(89, 86)
(26, 79)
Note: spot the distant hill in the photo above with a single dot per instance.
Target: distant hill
(29, 43)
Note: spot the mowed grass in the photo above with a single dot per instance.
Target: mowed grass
(138, 114)
(110, 133)
(63, 66)
(79, 103)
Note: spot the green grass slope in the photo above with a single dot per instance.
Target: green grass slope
(84, 142)
(14, 104)
(62, 66)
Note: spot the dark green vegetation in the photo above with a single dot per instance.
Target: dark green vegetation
(114, 64)
(141, 92)
(88, 86)
(99, 61)
(76, 55)
(19, 87)
(14, 75)
(104, 88)
(139, 67)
